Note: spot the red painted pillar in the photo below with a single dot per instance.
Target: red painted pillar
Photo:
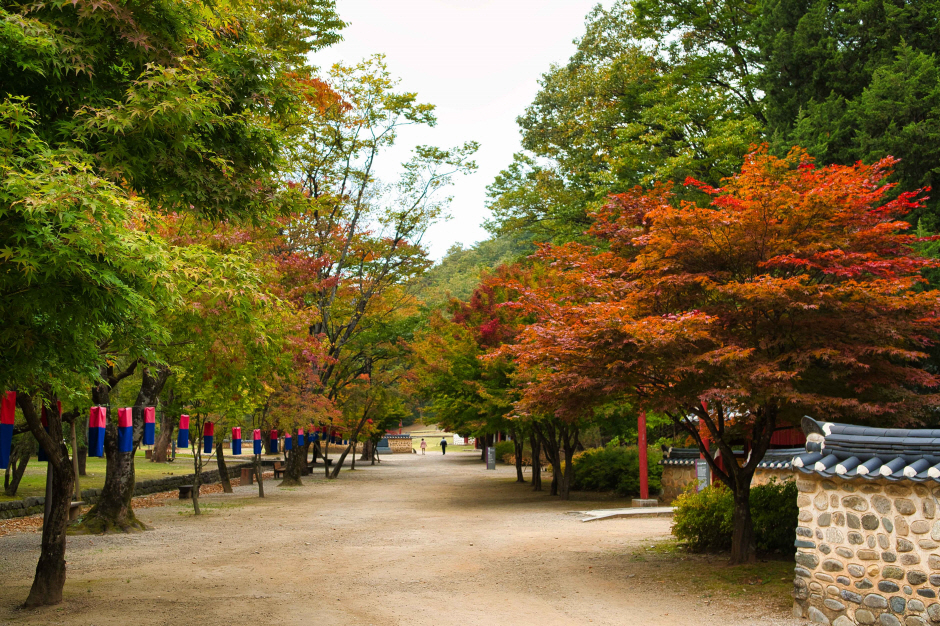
(641, 444)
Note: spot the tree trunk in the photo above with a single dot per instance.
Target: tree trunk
(518, 445)
(197, 484)
(552, 446)
(743, 543)
(366, 450)
(352, 463)
(82, 458)
(296, 465)
(49, 580)
(259, 471)
(570, 440)
(163, 441)
(536, 446)
(114, 511)
(220, 462)
(339, 462)
(19, 458)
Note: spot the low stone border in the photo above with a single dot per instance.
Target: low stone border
(35, 505)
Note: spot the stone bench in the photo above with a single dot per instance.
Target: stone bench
(74, 509)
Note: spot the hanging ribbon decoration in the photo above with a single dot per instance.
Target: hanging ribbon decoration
(182, 440)
(125, 430)
(7, 417)
(288, 443)
(273, 440)
(150, 425)
(300, 437)
(208, 434)
(236, 440)
(257, 440)
(312, 434)
(97, 420)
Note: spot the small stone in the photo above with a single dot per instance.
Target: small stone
(897, 604)
(802, 571)
(887, 586)
(845, 553)
(832, 565)
(910, 559)
(803, 531)
(869, 522)
(805, 516)
(870, 540)
(916, 577)
(856, 503)
(935, 531)
(930, 508)
(852, 520)
(816, 616)
(864, 584)
(838, 518)
(824, 548)
(881, 504)
(833, 591)
(865, 555)
(821, 502)
(800, 543)
(828, 485)
(863, 616)
(933, 561)
(914, 621)
(826, 578)
(905, 506)
(901, 526)
(886, 619)
(890, 571)
(856, 570)
(889, 557)
(842, 620)
(883, 541)
(834, 501)
(815, 586)
(850, 596)
(875, 601)
(803, 501)
(843, 580)
(907, 589)
(934, 612)
(927, 544)
(833, 605)
(896, 490)
(806, 486)
(904, 545)
(834, 535)
(927, 593)
(856, 538)
(920, 527)
(888, 524)
(915, 605)
(935, 580)
(824, 519)
(819, 534)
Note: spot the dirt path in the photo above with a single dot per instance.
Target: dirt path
(417, 540)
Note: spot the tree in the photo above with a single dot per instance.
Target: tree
(796, 290)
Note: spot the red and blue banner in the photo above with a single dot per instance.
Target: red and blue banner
(272, 446)
(182, 440)
(208, 435)
(150, 425)
(300, 438)
(97, 420)
(288, 443)
(237, 440)
(125, 430)
(257, 440)
(7, 417)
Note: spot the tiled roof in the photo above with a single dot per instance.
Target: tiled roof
(773, 459)
(844, 451)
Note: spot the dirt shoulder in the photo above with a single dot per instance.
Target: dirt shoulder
(417, 540)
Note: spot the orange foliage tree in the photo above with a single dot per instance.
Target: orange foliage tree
(795, 290)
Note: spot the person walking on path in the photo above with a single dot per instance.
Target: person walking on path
(443, 446)
(424, 445)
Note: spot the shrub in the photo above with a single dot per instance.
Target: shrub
(506, 449)
(704, 519)
(615, 468)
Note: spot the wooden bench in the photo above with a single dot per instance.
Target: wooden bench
(74, 509)
(186, 492)
(278, 469)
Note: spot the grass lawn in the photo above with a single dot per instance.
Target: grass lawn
(34, 480)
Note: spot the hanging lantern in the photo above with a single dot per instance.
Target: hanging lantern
(182, 440)
(7, 417)
(257, 440)
(97, 420)
(273, 444)
(300, 437)
(150, 425)
(236, 440)
(208, 434)
(125, 430)
(288, 443)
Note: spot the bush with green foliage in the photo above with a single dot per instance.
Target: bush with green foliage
(704, 519)
(505, 449)
(615, 468)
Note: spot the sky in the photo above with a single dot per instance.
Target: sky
(479, 62)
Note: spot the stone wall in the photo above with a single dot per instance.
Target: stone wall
(677, 478)
(34, 506)
(868, 552)
(401, 443)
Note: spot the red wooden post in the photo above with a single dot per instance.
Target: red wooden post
(641, 444)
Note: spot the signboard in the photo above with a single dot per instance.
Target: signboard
(703, 474)
(491, 458)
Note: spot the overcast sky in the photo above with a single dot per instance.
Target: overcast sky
(479, 62)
